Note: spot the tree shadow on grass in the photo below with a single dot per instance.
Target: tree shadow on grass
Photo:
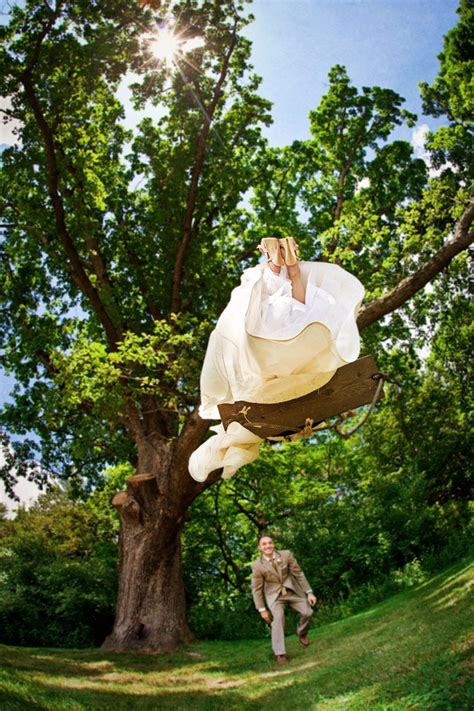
(408, 650)
(77, 699)
(87, 662)
(305, 684)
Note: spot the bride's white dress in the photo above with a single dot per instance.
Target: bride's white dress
(268, 347)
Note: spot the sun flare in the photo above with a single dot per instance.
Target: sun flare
(166, 45)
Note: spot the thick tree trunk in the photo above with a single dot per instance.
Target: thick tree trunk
(151, 609)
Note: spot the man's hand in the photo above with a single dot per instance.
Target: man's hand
(312, 599)
(266, 617)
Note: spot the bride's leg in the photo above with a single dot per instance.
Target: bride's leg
(275, 269)
(297, 285)
(289, 251)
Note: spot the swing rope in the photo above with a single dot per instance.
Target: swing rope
(381, 377)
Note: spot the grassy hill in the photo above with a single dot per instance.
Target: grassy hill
(413, 651)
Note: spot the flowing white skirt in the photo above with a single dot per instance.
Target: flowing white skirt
(268, 347)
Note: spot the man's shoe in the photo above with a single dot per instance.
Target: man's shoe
(304, 640)
(281, 659)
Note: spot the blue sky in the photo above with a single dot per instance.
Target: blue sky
(389, 43)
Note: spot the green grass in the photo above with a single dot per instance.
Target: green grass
(412, 651)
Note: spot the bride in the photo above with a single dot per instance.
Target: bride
(286, 330)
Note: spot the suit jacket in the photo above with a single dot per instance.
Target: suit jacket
(268, 583)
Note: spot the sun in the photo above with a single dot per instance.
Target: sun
(167, 46)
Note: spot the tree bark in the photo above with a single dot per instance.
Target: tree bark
(151, 605)
(151, 608)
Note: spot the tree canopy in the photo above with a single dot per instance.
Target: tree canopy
(120, 247)
(109, 232)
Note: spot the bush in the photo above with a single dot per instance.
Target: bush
(57, 576)
(232, 617)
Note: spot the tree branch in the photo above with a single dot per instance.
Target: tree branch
(337, 212)
(410, 285)
(195, 176)
(96, 258)
(42, 35)
(279, 193)
(191, 436)
(259, 521)
(113, 333)
(226, 554)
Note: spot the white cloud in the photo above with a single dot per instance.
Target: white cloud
(418, 141)
(27, 491)
(364, 183)
(7, 130)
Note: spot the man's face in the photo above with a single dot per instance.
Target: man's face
(266, 546)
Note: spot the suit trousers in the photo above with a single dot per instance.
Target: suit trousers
(300, 604)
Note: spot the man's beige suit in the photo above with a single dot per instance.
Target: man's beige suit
(277, 584)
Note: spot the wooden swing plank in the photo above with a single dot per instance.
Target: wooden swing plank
(352, 386)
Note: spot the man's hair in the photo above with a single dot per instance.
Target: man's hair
(264, 535)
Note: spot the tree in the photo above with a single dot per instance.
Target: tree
(57, 574)
(113, 240)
